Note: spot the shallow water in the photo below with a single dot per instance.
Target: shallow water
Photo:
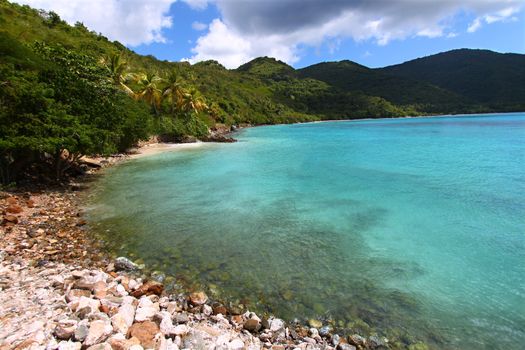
(409, 226)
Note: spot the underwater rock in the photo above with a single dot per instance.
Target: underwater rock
(124, 264)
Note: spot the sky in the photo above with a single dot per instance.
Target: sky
(375, 33)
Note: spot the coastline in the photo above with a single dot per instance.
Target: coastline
(59, 289)
(46, 249)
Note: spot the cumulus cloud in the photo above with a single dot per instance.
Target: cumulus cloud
(279, 28)
(132, 22)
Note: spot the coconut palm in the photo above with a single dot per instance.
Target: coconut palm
(149, 90)
(192, 102)
(116, 67)
(174, 90)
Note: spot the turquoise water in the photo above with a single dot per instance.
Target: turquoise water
(411, 228)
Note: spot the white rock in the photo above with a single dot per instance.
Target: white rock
(180, 330)
(121, 290)
(236, 344)
(276, 325)
(136, 347)
(132, 284)
(83, 302)
(69, 345)
(98, 332)
(123, 319)
(145, 313)
(207, 310)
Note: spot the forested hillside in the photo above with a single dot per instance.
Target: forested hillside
(492, 79)
(66, 91)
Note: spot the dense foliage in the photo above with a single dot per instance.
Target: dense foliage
(66, 91)
(493, 80)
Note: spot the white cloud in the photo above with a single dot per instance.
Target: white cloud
(475, 25)
(199, 26)
(197, 4)
(132, 22)
(279, 28)
(231, 48)
(503, 15)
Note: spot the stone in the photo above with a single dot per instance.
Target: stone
(207, 310)
(236, 344)
(69, 345)
(324, 331)
(198, 298)
(10, 219)
(345, 346)
(146, 313)
(99, 331)
(82, 330)
(336, 339)
(145, 332)
(315, 323)
(14, 209)
(65, 329)
(356, 339)
(123, 344)
(181, 318)
(99, 289)
(30, 203)
(180, 330)
(77, 293)
(123, 319)
(84, 302)
(375, 342)
(136, 347)
(124, 264)
(237, 319)
(148, 288)
(101, 346)
(276, 325)
(252, 325)
(220, 309)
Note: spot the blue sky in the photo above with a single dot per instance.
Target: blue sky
(374, 33)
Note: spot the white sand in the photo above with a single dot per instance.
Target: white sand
(155, 148)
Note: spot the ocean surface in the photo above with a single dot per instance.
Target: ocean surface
(411, 228)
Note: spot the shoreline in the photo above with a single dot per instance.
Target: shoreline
(60, 289)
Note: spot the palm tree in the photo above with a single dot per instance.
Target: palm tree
(116, 67)
(149, 90)
(193, 102)
(174, 90)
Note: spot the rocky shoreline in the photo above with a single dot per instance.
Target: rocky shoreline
(60, 290)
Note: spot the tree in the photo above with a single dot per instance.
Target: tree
(174, 90)
(149, 90)
(193, 102)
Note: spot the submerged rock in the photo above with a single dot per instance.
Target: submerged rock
(198, 298)
(124, 264)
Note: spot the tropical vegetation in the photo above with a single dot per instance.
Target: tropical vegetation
(66, 92)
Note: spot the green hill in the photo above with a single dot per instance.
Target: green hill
(66, 91)
(493, 79)
(350, 76)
